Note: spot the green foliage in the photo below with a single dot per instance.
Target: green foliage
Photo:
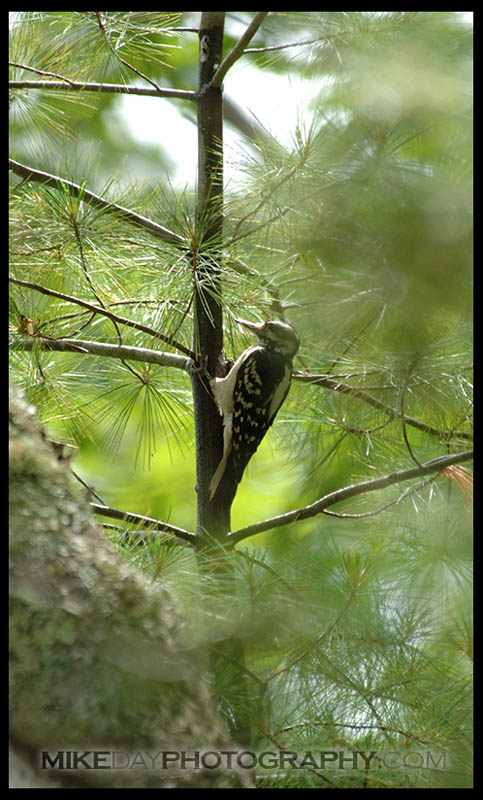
(356, 629)
(354, 641)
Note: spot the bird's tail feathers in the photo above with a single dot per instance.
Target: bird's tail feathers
(215, 481)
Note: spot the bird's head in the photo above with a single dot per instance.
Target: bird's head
(275, 335)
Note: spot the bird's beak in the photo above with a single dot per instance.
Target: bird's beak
(255, 327)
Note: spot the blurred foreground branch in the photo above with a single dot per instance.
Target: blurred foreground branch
(99, 657)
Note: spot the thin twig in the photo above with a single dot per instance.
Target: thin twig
(85, 269)
(395, 501)
(265, 198)
(279, 46)
(40, 71)
(238, 49)
(90, 489)
(115, 53)
(351, 343)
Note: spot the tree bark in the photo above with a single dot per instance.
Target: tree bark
(213, 517)
(99, 660)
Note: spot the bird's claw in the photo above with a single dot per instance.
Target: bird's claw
(199, 368)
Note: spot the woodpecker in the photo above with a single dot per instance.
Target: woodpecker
(249, 397)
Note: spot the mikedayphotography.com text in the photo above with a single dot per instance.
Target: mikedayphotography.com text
(240, 759)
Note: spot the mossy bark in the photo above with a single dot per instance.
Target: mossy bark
(100, 657)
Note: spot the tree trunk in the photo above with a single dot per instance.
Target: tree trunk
(213, 518)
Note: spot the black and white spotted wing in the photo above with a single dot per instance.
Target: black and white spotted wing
(262, 384)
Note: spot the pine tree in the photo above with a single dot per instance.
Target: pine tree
(343, 628)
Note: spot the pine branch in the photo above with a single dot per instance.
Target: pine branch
(130, 323)
(105, 349)
(232, 113)
(337, 386)
(155, 525)
(312, 510)
(66, 85)
(30, 174)
(238, 49)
